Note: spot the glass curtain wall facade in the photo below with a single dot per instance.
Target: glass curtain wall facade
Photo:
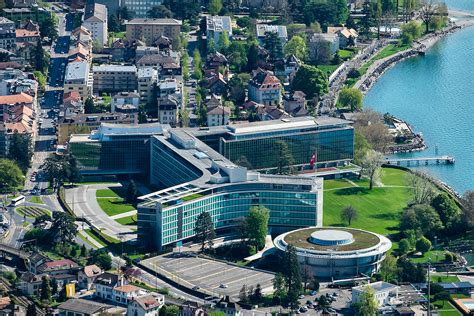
(289, 205)
(263, 152)
(121, 155)
(168, 168)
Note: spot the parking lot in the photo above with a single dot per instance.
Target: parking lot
(57, 68)
(208, 275)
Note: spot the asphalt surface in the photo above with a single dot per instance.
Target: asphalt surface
(69, 22)
(52, 99)
(62, 44)
(82, 200)
(212, 276)
(56, 71)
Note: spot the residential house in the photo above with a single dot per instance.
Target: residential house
(72, 105)
(147, 305)
(123, 50)
(294, 101)
(115, 78)
(83, 36)
(217, 25)
(147, 78)
(82, 307)
(163, 43)
(104, 285)
(216, 83)
(383, 292)
(123, 294)
(148, 30)
(287, 67)
(27, 36)
(63, 266)
(7, 34)
(86, 277)
(95, 20)
(264, 29)
(125, 102)
(170, 87)
(190, 308)
(218, 116)
(271, 112)
(30, 284)
(141, 51)
(217, 62)
(322, 46)
(264, 88)
(78, 78)
(167, 63)
(168, 108)
(347, 36)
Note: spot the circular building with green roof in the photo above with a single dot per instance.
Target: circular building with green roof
(336, 252)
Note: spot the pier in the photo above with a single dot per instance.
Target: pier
(449, 160)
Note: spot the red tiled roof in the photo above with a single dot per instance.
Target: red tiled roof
(16, 98)
(26, 33)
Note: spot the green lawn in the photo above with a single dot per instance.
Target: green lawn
(90, 234)
(378, 210)
(129, 220)
(435, 256)
(110, 193)
(346, 54)
(114, 206)
(36, 199)
(337, 184)
(32, 211)
(444, 278)
(328, 69)
(446, 309)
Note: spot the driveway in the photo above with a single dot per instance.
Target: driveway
(82, 200)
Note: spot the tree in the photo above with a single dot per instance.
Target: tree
(429, 8)
(41, 219)
(273, 45)
(388, 268)
(215, 6)
(11, 176)
(412, 28)
(280, 288)
(350, 98)
(243, 298)
(252, 56)
(285, 158)
(311, 80)
(292, 275)
(371, 165)
(132, 192)
(169, 310)
(238, 58)
(367, 304)
(204, 230)
(423, 245)
(45, 290)
(224, 42)
(422, 219)
(48, 27)
(89, 106)
(448, 211)
(378, 16)
(197, 74)
(54, 286)
(83, 251)
(442, 296)
(366, 21)
(468, 209)
(20, 150)
(63, 228)
(449, 257)
(257, 226)
(159, 12)
(348, 214)
(41, 58)
(404, 246)
(31, 310)
(409, 272)
(314, 285)
(337, 59)
(323, 301)
(296, 46)
(422, 188)
(102, 259)
(58, 169)
(113, 24)
(257, 293)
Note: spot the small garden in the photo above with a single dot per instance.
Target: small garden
(32, 211)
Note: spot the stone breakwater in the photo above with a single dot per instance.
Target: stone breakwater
(378, 68)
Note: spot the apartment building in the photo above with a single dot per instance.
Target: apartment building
(150, 30)
(115, 78)
(95, 20)
(78, 78)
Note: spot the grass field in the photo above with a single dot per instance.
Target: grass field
(129, 220)
(378, 210)
(90, 234)
(36, 199)
(114, 206)
(434, 255)
(328, 69)
(116, 192)
(444, 278)
(32, 211)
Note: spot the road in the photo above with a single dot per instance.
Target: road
(82, 200)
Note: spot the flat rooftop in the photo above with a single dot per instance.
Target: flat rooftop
(362, 239)
(154, 22)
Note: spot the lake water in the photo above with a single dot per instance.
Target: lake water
(435, 94)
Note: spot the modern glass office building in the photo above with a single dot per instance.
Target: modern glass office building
(114, 149)
(331, 139)
(211, 183)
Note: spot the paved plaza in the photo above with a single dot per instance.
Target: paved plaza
(212, 277)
